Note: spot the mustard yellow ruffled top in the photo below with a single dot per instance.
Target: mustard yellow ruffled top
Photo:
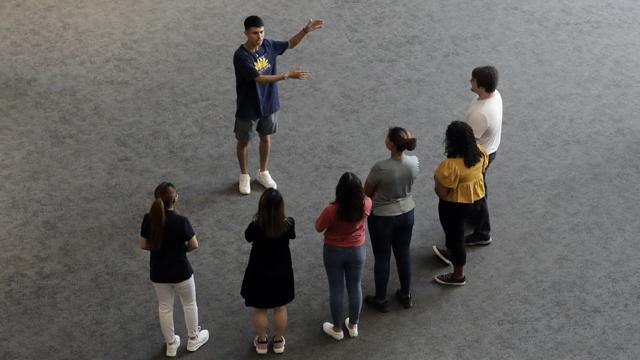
(467, 184)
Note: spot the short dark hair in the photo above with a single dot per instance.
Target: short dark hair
(486, 77)
(253, 21)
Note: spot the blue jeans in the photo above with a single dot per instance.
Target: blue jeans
(344, 263)
(387, 233)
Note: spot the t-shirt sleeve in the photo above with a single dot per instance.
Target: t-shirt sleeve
(374, 176)
(244, 66)
(415, 166)
(478, 122)
(447, 174)
(188, 230)
(279, 47)
(145, 228)
(291, 232)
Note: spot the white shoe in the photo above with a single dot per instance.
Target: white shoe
(352, 332)
(244, 184)
(328, 329)
(264, 178)
(201, 338)
(172, 349)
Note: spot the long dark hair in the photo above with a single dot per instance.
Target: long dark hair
(271, 217)
(401, 139)
(165, 196)
(460, 142)
(349, 198)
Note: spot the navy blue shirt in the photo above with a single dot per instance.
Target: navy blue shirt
(169, 264)
(257, 100)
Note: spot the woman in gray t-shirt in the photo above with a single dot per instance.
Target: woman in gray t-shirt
(391, 221)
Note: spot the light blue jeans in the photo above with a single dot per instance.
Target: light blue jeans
(344, 264)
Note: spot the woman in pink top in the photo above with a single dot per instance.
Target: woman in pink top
(342, 222)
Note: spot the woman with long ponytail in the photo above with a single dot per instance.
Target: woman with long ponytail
(168, 236)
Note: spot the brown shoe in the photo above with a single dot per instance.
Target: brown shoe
(450, 279)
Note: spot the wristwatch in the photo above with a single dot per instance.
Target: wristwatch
(286, 76)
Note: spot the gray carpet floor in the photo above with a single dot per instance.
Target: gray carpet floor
(102, 100)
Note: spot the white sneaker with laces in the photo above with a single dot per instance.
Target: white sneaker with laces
(352, 332)
(201, 338)
(328, 329)
(172, 348)
(264, 178)
(244, 184)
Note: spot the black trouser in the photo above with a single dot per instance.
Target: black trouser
(452, 218)
(480, 221)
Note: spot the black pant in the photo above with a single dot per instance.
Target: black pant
(452, 218)
(480, 220)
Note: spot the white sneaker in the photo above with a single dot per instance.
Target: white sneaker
(244, 184)
(201, 338)
(328, 329)
(264, 178)
(172, 349)
(352, 332)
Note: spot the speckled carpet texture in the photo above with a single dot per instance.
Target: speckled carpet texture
(102, 100)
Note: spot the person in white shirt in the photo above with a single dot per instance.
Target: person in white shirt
(485, 118)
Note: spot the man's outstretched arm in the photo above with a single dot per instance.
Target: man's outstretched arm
(291, 74)
(312, 25)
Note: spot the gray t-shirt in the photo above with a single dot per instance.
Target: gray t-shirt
(391, 180)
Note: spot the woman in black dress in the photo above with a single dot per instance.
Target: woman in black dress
(169, 236)
(268, 279)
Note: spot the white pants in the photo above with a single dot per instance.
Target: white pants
(186, 290)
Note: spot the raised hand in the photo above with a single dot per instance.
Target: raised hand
(313, 25)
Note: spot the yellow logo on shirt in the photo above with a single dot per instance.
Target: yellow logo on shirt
(261, 64)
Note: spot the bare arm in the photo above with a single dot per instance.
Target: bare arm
(294, 73)
(312, 25)
(192, 244)
(144, 243)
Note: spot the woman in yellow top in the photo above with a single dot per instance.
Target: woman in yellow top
(460, 187)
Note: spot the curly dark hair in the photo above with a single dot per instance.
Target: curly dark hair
(349, 198)
(460, 142)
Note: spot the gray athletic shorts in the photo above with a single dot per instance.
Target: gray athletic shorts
(246, 129)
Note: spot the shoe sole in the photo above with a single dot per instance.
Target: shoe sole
(448, 283)
(476, 243)
(332, 334)
(198, 347)
(440, 256)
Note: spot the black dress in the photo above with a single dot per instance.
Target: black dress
(268, 279)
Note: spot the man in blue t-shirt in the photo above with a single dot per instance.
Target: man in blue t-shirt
(257, 103)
